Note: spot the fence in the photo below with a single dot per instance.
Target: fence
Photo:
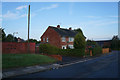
(105, 50)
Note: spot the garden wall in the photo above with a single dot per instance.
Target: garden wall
(14, 47)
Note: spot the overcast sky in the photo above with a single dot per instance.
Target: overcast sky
(98, 20)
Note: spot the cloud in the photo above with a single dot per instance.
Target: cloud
(11, 15)
(48, 7)
(21, 7)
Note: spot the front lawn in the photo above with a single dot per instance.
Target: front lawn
(22, 60)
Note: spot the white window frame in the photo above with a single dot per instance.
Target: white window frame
(71, 39)
(65, 46)
(63, 39)
(47, 39)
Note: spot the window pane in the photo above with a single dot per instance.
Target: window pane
(47, 39)
(63, 39)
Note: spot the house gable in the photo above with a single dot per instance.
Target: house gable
(53, 37)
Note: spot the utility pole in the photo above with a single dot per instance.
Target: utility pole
(28, 28)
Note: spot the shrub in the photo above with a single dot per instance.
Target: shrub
(49, 49)
(97, 50)
(72, 52)
(79, 41)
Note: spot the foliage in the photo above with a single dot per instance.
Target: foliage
(72, 52)
(15, 39)
(2, 34)
(79, 41)
(90, 43)
(22, 60)
(9, 38)
(78, 30)
(49, 49)
(97, 50)
(115, 43)
(33, 40)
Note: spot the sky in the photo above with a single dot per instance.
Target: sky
(98, 20)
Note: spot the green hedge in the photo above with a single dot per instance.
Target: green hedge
(48, 49)
(96, 51)
(72, 52)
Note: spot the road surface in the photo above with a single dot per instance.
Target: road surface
(105, 66)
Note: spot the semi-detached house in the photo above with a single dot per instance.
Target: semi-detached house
(59, 37)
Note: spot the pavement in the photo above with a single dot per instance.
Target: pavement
(38, 68)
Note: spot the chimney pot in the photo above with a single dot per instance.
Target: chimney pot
(58, 26)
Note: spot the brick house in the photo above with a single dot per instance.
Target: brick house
(59, 37)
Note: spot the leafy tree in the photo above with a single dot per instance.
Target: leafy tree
(115, 43)
(15, 39)
(90, 43)
(9, 38)
(33, 40)
(79, 31)
(79, 41)
(3, 35)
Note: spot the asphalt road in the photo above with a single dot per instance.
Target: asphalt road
(105, 66)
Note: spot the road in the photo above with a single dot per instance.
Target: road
(105, 66)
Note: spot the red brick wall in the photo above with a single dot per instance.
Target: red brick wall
(13, 47)
(53, 37)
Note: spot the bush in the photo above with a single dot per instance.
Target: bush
(79, 41)
(72, 52)
(49, 49)
(97, 50)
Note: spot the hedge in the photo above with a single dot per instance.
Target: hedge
(96, 51)
(72, 52)
(48, 49)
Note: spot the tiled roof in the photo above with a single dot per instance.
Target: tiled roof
(64, 32)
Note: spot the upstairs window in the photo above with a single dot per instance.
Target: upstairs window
(47, 39)
(71, 39)
(63, 39)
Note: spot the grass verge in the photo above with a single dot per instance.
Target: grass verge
(23, 60)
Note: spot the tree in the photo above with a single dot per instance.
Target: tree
(90, 43)
(79, 41)
(33, 40)
(9, 38)
(15, 39)
(115, 43)
(3, 35)
(79, 31)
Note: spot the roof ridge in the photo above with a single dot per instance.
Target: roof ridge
(61, 28)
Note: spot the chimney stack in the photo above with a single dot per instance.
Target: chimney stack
(58, 26)
(70, 28)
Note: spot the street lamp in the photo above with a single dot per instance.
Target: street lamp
(14, 34)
